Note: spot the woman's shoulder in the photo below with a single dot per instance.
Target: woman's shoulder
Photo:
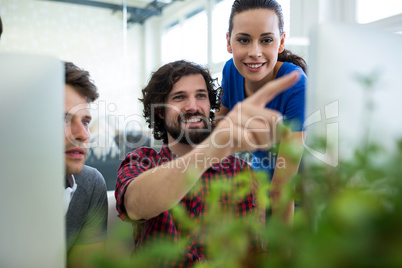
(288, 67)
(229, 63)
(231, 78)
(229, 67)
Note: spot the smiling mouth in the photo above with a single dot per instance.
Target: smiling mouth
(255, 66)
(192, 120)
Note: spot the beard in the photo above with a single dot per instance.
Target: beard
(189, 136)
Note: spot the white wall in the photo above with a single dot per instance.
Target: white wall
(94, 39)
(153, 30)
(304, 14)
(121, 62)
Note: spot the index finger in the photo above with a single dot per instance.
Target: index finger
(273, 88)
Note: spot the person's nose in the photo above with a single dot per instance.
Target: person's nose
(191, 105)
(255, 50)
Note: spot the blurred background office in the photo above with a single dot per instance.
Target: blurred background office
(121, 42)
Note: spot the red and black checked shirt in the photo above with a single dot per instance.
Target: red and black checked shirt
(167, 227)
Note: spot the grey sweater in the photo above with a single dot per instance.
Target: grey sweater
(87, 213)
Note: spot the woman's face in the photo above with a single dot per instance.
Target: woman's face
(255, 43)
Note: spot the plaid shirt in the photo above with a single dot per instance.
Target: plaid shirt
(167, 227)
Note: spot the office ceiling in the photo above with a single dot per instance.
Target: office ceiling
(138, 11)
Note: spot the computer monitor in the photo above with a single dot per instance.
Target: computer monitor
(354, 90)
(32, 223)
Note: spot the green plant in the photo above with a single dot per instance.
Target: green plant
(347, 216)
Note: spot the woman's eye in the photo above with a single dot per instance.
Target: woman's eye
(178, 97)
(242, 40)
(267, 41)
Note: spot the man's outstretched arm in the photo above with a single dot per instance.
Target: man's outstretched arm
(249, 126)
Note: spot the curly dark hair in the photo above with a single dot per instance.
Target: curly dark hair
(80, 80)
(244, 5)
(160, 85)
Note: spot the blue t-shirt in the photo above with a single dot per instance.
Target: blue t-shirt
(290, 103)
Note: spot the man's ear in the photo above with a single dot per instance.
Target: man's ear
(160, 115)
(228, 45)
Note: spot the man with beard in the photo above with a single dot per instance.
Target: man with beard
(179, 101)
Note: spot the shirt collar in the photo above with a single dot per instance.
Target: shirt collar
(165, 153)
(71, 186)
(216, 167)
(70, 182)
(219, 167)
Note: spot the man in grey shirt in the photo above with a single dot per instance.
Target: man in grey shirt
(85, 193)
